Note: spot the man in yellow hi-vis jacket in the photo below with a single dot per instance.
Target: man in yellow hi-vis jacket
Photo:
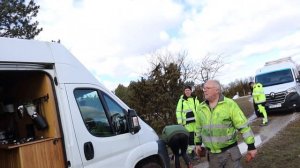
(218, 119)
(259, 98)
(185, 114)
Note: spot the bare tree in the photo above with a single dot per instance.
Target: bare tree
(188, 69)
(193, 71)
(210, 67)
(155, 96)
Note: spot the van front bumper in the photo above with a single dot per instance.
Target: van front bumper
(291, 103)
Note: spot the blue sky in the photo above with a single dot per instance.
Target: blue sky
(114, 39)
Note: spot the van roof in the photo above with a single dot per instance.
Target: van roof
(68, 68)
(275, 67)
(17, 50)
(33, 51)
(285, 59)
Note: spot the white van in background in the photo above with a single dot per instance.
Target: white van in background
(280, 79)
(55, 114)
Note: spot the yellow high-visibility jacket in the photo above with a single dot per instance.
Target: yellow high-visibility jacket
(258, 93)
(217, 128)
(185, 112)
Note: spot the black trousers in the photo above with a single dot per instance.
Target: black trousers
(191, 138)
(179, 142)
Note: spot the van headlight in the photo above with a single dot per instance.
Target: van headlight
(291, 90)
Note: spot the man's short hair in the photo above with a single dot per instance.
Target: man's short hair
(219, 87)
(187, 87)
(218, 84)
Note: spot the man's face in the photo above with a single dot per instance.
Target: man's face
(210, 91)
(187, 92)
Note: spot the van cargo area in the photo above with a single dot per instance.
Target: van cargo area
(29, 129)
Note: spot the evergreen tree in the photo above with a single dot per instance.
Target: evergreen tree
(155, 98)
(16, 19)
(122, 92)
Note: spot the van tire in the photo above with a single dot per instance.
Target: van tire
(150, 165)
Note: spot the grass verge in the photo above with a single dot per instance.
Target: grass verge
(282, 151)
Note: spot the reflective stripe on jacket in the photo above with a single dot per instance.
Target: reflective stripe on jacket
(185, 112)
(217, 128)
(258, 93)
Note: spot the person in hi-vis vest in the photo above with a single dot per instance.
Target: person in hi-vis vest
(259, 98)
(185, 114)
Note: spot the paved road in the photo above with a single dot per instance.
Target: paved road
(265, 133)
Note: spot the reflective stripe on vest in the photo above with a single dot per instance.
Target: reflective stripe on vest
(220, 139)
(190, 117)
(258, 102)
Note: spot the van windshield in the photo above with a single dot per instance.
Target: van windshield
(275, 77)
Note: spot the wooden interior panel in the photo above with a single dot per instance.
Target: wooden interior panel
(33, 87)
(45, 153)
(10, 158)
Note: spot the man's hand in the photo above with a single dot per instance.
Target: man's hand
(251, 155)
(198, 150)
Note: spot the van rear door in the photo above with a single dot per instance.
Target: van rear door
(101, 127)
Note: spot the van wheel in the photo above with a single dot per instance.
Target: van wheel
(150, 165)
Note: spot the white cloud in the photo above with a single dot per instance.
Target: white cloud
(105, 34)
(242, 30)
(112, 38)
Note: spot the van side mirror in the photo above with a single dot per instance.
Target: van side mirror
(118, 123)
(133, 120)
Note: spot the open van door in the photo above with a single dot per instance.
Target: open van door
(101, 127)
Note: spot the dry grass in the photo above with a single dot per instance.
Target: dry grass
(245, 105)
(283, 150)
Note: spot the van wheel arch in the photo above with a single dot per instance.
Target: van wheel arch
(150, 162)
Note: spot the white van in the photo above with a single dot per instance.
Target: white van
(280, 79)
(54, 113)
